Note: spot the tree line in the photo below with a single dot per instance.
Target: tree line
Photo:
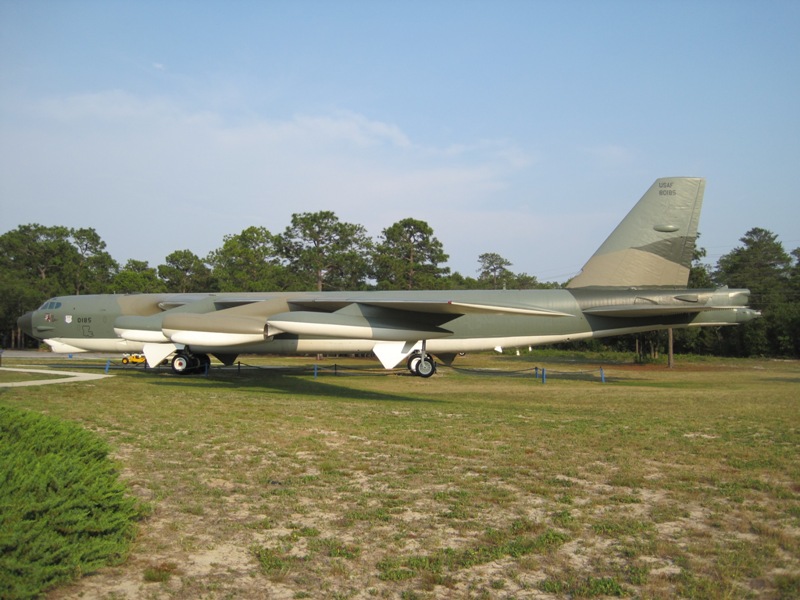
(317, 251)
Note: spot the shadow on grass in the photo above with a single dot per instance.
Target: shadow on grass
(792, 380)
(287, 381)
(540, 374)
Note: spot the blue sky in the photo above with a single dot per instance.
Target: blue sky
(518, 127)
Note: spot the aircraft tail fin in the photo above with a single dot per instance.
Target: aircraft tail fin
(654, 244)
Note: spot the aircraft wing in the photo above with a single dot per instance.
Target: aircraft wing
(431, 307)
(220, 303)
(395, 323)
(722, 299)
(386, 319)
(438, 307)
(230, 321)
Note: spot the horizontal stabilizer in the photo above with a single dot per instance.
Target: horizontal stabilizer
(632, 311)
(690, 302)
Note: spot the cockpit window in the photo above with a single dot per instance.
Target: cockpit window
(50, 305)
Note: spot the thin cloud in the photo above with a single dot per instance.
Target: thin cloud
(611, 156)
(110, 105)
(191, 177)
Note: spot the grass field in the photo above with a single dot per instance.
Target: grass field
(267, 484)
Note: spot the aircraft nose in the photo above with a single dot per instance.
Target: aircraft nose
(25, 323)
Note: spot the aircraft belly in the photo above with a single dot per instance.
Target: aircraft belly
(67, 345)
(62, 348)
(354, 346)
(292, 345)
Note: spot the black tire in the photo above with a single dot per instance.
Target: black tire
(426, 368)
(412, 363)
(204, 362)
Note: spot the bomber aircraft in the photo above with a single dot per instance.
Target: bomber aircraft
(635, 282)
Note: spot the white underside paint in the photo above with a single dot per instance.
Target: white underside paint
(155, 353)
(142, 335)
(347, 331)
(71, 345)
(389, 353)
(213, 338)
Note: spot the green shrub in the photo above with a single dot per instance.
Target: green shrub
(63, 510)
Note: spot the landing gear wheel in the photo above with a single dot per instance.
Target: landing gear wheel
(425, 367)
(181, 364)
(412, 363)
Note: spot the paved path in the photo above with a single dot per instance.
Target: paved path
(65, 377)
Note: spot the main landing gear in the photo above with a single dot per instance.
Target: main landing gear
(421, 364)
(185, 363)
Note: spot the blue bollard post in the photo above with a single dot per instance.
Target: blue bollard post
(315, 371)
(544, 375)
(108, 365)
(602, 375)
(536, 372)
